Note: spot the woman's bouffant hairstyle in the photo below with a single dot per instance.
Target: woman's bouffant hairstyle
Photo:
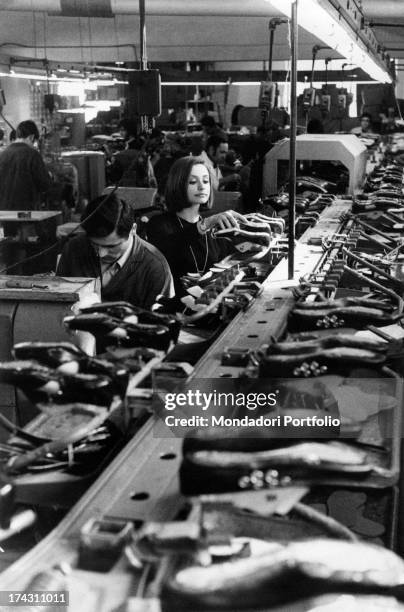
(177, 184)
(105, 214)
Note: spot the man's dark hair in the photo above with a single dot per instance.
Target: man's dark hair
(366, 115)
(129, 125)
(105, 214)
(177, 184)
(215, 141)
(208, 121)
(27, 128)
(315, 126)
(234, 114)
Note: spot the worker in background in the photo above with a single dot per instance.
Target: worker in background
(365, 129)
(214, 156)
(128, 133)
(315, 126)
(388, 121)
(125, 266)
(210, 128)
(131, 167)
(24, 178)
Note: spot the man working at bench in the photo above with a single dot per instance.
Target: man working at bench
(125, 266)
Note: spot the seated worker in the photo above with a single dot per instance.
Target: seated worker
(131, 166)
(181, 234)
(365, 128)
(126, 267)
(128, 133)
(214, 156)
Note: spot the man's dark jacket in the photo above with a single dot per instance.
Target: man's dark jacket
(23, 177)
(143, 277)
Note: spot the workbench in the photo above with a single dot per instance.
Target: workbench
(32, 309)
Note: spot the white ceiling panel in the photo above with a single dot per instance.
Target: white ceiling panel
(169, 37)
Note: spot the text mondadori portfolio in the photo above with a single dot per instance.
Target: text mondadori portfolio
(284, 420)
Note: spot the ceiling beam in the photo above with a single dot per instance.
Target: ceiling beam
(170, 75)
(108, 8)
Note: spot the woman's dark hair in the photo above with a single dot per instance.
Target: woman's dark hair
(177, 184)
(105, 214)
(208, 121)
(129, 125)
(234, 114)
(315, 126)
(27, 128)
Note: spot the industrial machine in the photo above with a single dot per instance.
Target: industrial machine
(344, 148)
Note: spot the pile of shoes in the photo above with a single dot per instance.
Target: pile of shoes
(62, 373)
(258, 575)
(351, 312)
(120, 323)
(334, 354)
(78, 394)
(252, 238)
(231, 288)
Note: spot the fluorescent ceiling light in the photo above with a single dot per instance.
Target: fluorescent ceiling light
(194, 83)
(102, 104)
(107, 82)
(93, 84)
(36, 77)
(71, 111)
(207, 83)
(318, 21)
(91, 104)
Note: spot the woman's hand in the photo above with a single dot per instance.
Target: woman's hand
(223, 220)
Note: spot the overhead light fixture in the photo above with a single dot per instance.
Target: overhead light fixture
(107, 82)
(102, 104)
(313, 17)
(205, 83)
(53, 77)
(194, 83)
(246, 83)
(36, 77)
(71, 111)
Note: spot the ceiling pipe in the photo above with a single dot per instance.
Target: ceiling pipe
(372, 9)
(109, 8)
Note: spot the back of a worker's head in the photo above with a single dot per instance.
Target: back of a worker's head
(315, 126)
(27, 128)
(103, 215)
